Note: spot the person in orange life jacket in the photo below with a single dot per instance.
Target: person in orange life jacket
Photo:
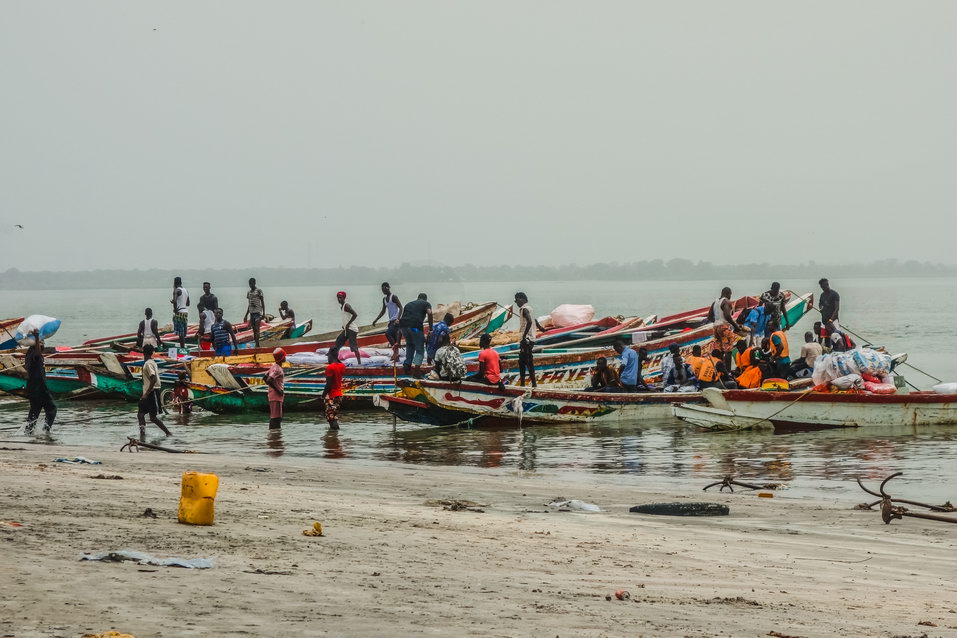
(275, 378)
(780, 352)
(748, 373)
(724, 378)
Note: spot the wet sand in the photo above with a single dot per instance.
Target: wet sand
(392, 563)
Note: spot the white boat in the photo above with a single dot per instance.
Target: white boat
(746, 409)
(515, 405)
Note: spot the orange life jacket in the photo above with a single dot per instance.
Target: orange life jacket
(750, 378)
(707, 372)
(784, 351)
(744, 359)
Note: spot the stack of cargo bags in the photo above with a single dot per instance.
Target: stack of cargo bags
(861, 369)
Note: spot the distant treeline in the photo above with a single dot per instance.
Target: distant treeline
(655, 269)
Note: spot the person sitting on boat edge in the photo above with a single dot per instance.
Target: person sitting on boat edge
(490, 365)
(810, 351)
(222, 332)
(332, 392)
(449, 365)
(713, 374)
(780, 352)
(604, 379)
(435, 337)
(749, 374)
(668, 361)
(680, 377)
(285, 312)
(838, 340)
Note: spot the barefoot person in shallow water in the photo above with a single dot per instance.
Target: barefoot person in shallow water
(150, 399)
(275, 378)
(332, 393)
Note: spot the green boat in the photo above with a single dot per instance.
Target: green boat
(246, 400)
(63, 383)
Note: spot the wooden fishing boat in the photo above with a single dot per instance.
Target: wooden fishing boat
(744, 409)
(222, 400)
(62, 382)
(300, 329)
(8, 330)
(484, 405)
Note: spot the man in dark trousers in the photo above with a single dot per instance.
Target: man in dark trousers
(527, 325)
(413, 318)
(830, 304)
(37, 392)
(255, 308)
(150, 399)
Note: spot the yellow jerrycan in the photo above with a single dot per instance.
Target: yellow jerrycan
(196, 498)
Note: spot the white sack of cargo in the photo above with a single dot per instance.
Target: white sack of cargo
(46, 326)
(571, 315)
(945, 388)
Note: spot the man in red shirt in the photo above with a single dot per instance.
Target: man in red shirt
(490, 366)
(275, 378)
(332, 393)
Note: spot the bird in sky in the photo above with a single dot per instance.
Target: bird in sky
(20, 226)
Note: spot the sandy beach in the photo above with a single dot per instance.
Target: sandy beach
(393, 561)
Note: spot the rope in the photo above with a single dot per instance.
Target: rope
(864, 339)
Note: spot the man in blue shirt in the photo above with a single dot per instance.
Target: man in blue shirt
(629, 367)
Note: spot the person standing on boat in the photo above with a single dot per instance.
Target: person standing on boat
(440, 330)
(724, 324)
(207, 317)
(349, 332)
(830, 305)
(392, 308)
(332, 392)
(208, 299)
(490, 365)
(527, 326)
(275, 378)
(150, 399)
(629, 373)
(180, 303)
(774, 301)
(413, 318)
(285, 312)
(222, 332)
(37, 392)
(780, 352)
(148, 331)
(255, 308)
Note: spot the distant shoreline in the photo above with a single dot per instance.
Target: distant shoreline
(652, 270)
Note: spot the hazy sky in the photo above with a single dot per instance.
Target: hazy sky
(231, 134)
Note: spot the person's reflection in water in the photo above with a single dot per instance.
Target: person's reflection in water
(274, 442)
(333, 445)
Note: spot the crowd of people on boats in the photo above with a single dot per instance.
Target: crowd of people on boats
(748, 348)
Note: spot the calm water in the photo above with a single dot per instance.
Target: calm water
(903, 314)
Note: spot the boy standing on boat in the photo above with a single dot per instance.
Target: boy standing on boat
(332, 392)
(148, 332)
(255, 308)
(527, 325)
(275, 378)
(150, 399)
(392, 307)
(221, 333)
(349, 332)
(180, 303)
(37, 392)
